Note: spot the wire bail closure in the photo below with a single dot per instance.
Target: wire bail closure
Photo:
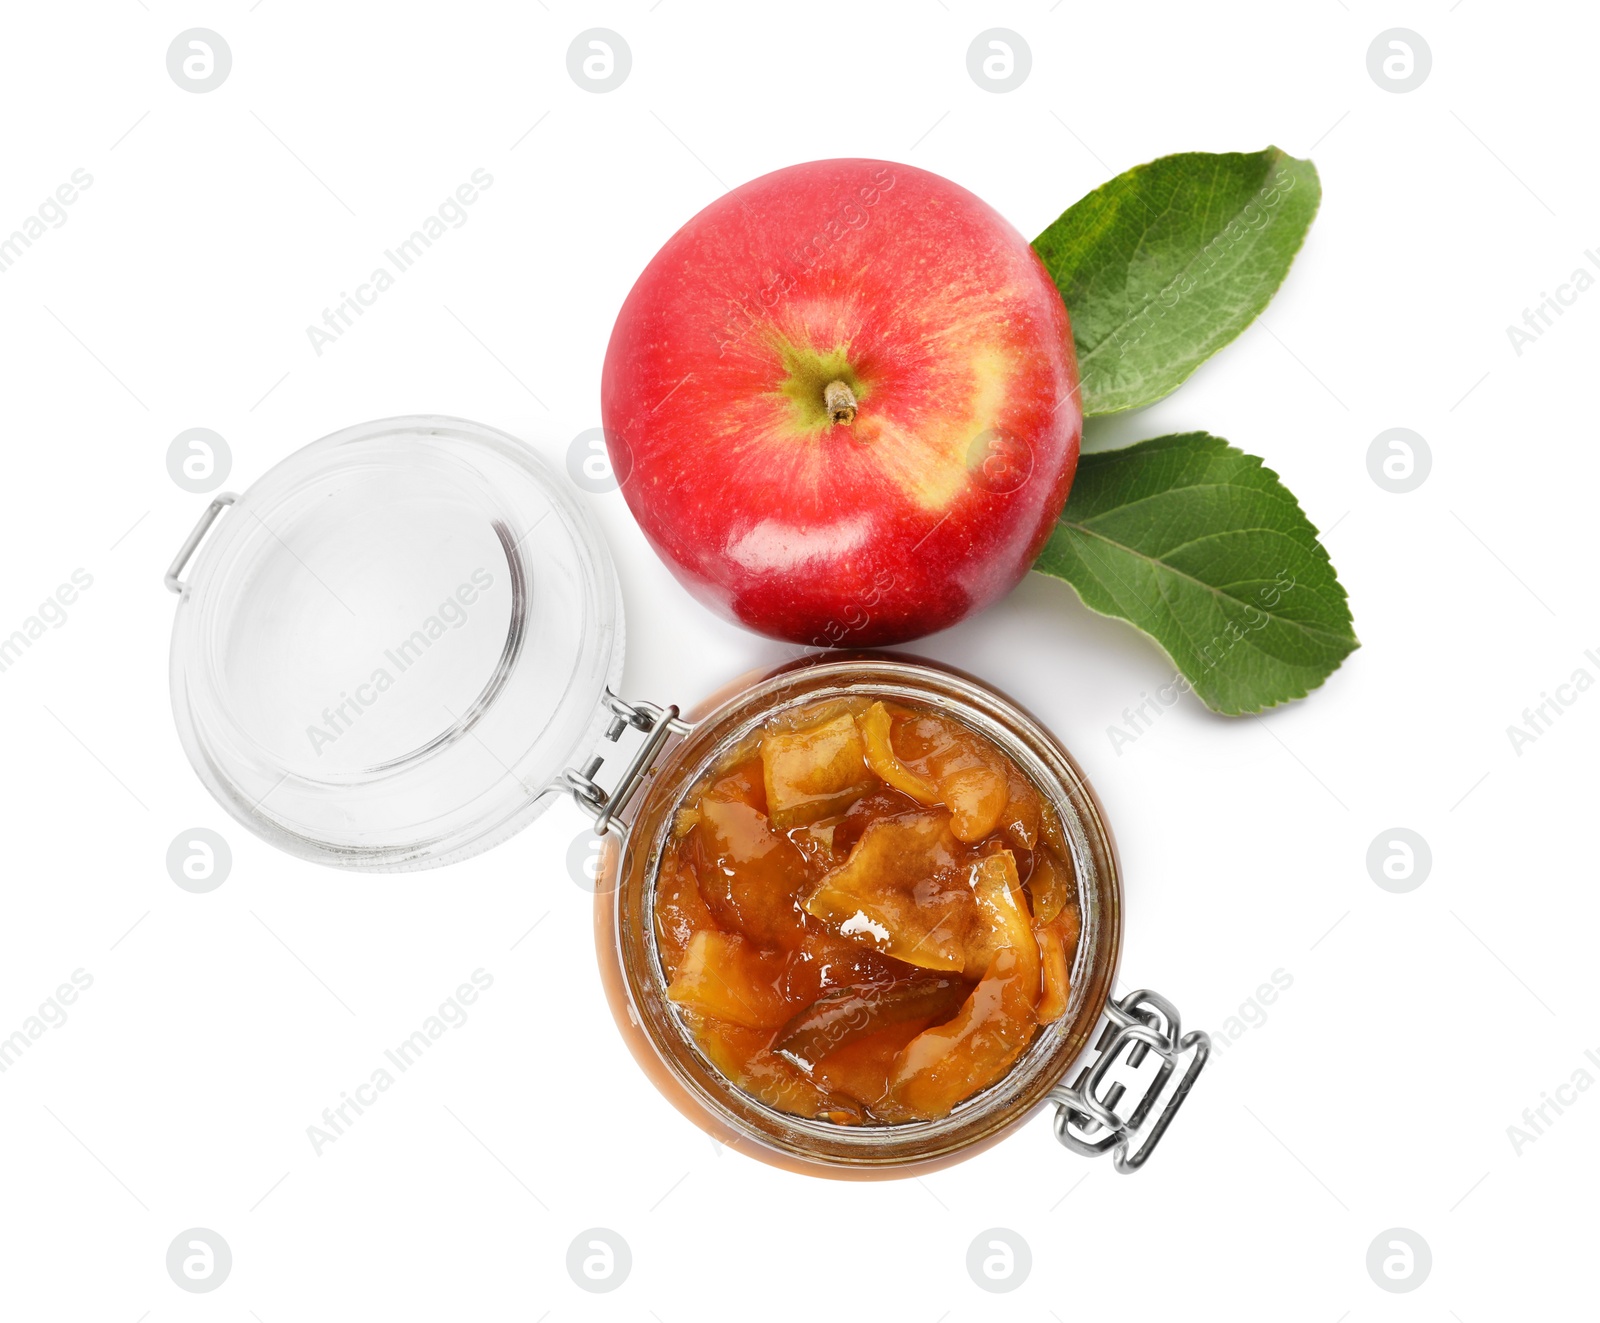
(658, 724)
(1087, 1119)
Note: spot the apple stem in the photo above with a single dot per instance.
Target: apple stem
(840, 401)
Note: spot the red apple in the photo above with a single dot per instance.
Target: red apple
(843, 403)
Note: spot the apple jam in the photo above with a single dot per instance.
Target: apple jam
(865, 913)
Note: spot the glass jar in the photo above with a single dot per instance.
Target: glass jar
(626, 931)
(402, 643)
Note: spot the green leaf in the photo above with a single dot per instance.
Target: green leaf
(1200, 546)
(1168, 262)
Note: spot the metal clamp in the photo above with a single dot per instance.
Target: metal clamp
(218, 504)
(658, 724)
(1087, 1119)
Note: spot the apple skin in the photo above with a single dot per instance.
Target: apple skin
(944, 325)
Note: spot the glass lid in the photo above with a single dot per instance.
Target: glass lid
(391, 645)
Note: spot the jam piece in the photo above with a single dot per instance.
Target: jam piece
(1050, 830)
(876, 732)
(902, 891)
(938, 761)
(976, 796)
(860, 1069)
(1050, 884)
(839, 962)
(743, 1056)
(842, 1015)
(1069, 923)
(866, 914)
(970, 773)
(728, 977)
(681, 910)
(943, 1065)
(1020, 820)
(775, 1082)
(1002, 911)
(816, 841)
(950, 1062)
(751, 875)
(814, 772)
(1054, 970)
(881, 803)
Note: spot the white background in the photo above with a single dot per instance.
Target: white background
(1378, 1090)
